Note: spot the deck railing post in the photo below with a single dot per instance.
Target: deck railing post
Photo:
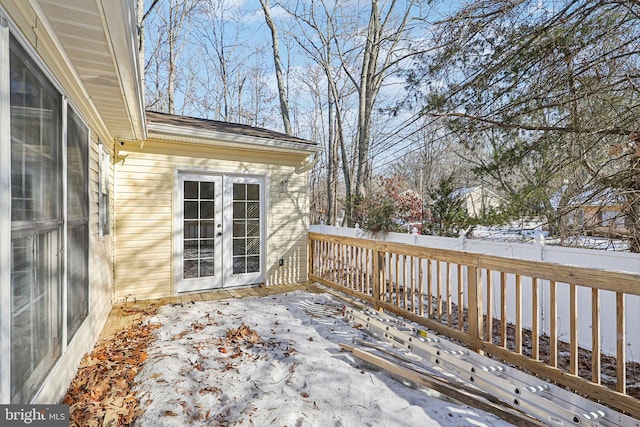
(377, 272)
(474, 290)
(310, 257)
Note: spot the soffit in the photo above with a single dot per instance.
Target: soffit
(99, 39)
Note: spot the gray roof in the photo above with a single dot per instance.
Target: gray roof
(591, 196)
(224, 127)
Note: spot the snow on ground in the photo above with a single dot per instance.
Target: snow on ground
(285, 369)
(525, 231)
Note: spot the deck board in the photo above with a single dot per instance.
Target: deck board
(125, 314)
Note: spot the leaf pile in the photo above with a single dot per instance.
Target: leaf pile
(100, 394)
(242, 335)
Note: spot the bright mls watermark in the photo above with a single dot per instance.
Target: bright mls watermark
(34, 415)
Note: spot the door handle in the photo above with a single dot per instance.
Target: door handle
(219, 234)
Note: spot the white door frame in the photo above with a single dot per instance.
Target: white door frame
(229, 278)
(223, 277)
(204, 281)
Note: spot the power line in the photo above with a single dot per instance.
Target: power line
(391, 160)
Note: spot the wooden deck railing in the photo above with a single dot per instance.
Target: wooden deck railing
(470, 297)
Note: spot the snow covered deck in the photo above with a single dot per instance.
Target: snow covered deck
(245, 357)
(128, 313)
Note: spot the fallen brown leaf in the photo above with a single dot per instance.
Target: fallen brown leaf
(197, 326)
(241, 334)
(100, 394)
(210, 390)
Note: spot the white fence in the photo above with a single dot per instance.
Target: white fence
(537, 251)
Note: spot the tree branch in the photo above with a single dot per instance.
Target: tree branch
(564, 129)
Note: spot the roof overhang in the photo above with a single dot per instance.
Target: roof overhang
(98, 39)
(183, 134)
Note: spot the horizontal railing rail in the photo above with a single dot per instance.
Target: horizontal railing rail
(471, 297)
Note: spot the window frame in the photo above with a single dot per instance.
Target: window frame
(104, 191)
(74, 223)
(5, 213)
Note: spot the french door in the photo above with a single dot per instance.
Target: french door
(219, 238)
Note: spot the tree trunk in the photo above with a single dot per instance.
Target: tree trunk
(140, 17)
(330, 160)
(282, 93)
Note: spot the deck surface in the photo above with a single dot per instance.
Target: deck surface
(124, 314)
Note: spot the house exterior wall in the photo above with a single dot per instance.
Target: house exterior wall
(42, 48)
(604, 220)
(479, 199)
(145, 202)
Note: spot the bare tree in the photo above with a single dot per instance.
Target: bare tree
(170, 34)
(539, 92)
(282, 92)
(141, 16)
(365, 55)
(316, 34)
(217, 33)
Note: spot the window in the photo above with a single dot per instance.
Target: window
(77, 222)
(611, 218)
(103, 192)
(48, 221)
(36, 224)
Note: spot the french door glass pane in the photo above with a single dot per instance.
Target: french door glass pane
(190, 268)
(206, 210)
(253, 228)
(239, 192)
(206, 248)
(246, 228)
(207, 229)
(239, 210)
(191, 229)
(191, 209)
(253, 210)
(190, 190)
(36, 221)
(253, 264)
(253, 192)
(253, 246)
(206, 267)
(199, 229)
(206, 190)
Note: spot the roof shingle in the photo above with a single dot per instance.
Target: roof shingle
(225, 127)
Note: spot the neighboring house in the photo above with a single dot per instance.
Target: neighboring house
(478, 199)
(598, 213)
(104, 202)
